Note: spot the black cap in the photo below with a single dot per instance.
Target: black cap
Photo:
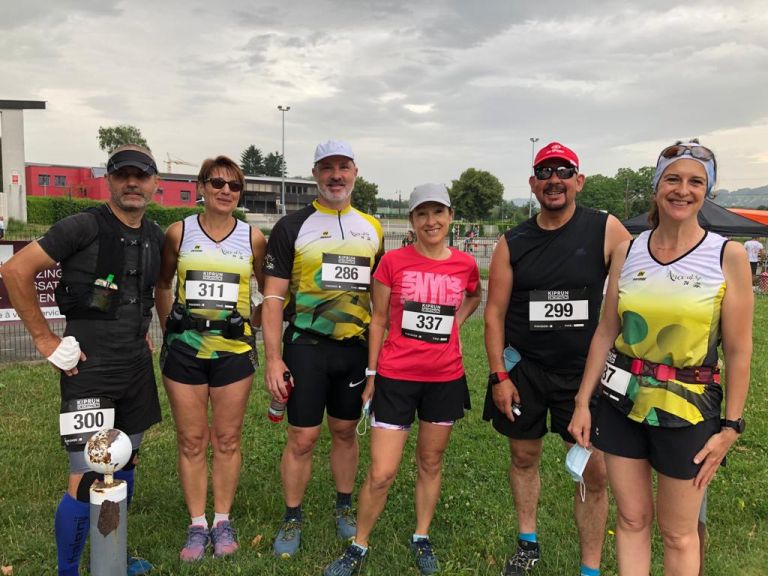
(137, 158)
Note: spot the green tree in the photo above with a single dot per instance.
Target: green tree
(364, 196)
(624, 195)
(252, 161)
(475, 194)
(602, 193)
(113, 136)
(274, 164)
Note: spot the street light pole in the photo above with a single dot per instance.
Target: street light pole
(283, 110)
(530, 196)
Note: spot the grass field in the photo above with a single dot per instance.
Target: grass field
(473, 530)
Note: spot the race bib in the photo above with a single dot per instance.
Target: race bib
(211, 290)
(341, 272)
(558, 309)
(615, 378)
(80, 418)
(428, 322)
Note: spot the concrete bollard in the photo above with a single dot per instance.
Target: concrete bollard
(106, 452)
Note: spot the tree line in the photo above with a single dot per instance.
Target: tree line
(477, 195)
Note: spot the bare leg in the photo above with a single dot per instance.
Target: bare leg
(679, 502)
(189, 404)
(525, 481)
(296, 464)
(386, 453)
(592, 514)
(430, 447)
(631, 486)
(228, 404)
(344, 453)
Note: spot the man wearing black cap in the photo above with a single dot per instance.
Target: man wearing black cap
(545, 289)
(110, 258)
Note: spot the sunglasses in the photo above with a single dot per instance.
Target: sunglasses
(562, 172)
(218, 184)
(699, 152)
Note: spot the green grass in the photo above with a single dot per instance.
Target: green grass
(473, 529)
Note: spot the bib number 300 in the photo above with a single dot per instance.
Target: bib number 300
(80, 418)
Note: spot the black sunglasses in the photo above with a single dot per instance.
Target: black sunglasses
(699, 152)
(562, 172)
(218, 184)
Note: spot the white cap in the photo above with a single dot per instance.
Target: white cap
(429, 193)
(333, 148)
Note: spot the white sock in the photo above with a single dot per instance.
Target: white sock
(199, 521)
(219, 517)
(417, 537)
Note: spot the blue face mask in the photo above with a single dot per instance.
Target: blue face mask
(575, 463)
(511, 358)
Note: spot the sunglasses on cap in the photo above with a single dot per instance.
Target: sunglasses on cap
(562, 172)
(218, 184)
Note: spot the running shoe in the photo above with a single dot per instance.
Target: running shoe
(346, 522)
(526, 557)
(288, 538)
(348, 564)
(197, 540)
(223, 539)
(425, 556)
(137, 566)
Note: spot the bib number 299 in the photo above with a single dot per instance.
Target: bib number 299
(558, 310)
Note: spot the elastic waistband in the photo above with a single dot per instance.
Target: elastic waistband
(663, 372)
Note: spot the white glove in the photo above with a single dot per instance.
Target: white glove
(67, 354)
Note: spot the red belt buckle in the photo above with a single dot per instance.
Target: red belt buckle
(662, 372)
(636, 367)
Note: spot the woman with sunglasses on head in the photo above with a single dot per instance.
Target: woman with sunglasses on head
(422, 294)
(675, 293)
(209, 356)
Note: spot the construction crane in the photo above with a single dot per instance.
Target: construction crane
(170, 160)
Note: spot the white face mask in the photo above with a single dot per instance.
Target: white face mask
(575, 463)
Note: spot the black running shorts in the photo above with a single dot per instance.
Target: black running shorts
(327, 376)
(670, 451)
(397, 401)
(541, 392)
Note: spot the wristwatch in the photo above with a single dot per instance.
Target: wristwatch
(496, 377)
(738, 425)
(369, 372)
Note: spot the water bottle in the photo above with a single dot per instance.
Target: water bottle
(276, 410)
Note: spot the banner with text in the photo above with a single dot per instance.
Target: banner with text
(45, 283)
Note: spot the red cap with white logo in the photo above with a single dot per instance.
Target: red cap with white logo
(557, 150)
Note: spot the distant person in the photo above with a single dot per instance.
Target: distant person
(408, 239)
(753, 248)
(422, 294)
(675, 294)
(209, 354)
(318, 271)
(545, 289)
(110, 259)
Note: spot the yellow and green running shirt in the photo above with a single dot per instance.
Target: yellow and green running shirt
(328, 256)
(670, 314)
(213, 279)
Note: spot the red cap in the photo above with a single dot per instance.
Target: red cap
(556, 150)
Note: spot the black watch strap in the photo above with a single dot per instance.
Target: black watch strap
(738, 425)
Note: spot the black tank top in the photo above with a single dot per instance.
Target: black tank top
(572, 259)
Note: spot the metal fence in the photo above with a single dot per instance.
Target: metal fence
(16, 344)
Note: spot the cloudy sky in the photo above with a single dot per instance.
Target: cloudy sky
(422, 89)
